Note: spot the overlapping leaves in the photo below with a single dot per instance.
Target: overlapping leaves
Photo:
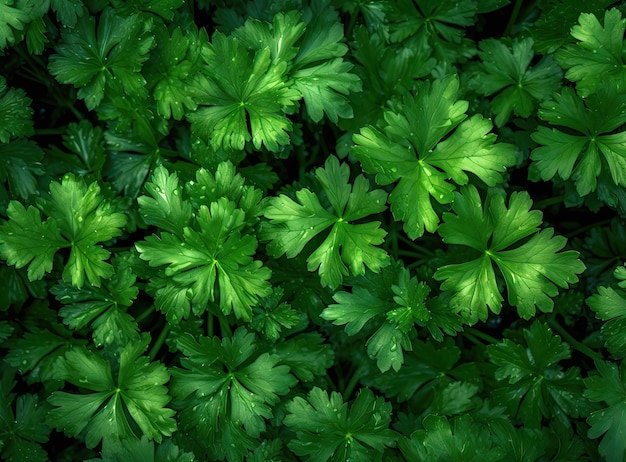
(205, 255)
(125, 398)
(348, 245)
(529, 259)
(411, 150)
(78, 218)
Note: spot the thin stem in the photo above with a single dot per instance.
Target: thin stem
(513, 18)
(542, 204)
(159, 342)
(354, 380)
(481, 335)
(581, 347)
(584, 229)
(144, 314)
(225, 329)
(50, 131)
(210, 324)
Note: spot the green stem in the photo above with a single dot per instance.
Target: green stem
(159, 342)
(584, 229)
(144, 314)
(479, 334)
(581, 347)
(542, 204)
(50, 131)
(354, 380)
(225, 329)
(513, 18)
(210, 324)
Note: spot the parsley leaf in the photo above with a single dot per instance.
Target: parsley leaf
(210, 249)
(598, 56)
(435, 22)
(537, 386)
(104, 60)
(13, 17)
(128, 404)
(103, 307)
(24, 429)
(20, 165)
(507, 72)
(319, 73)
(84, 219)
(532, 269)
(67, 11)
(395, 303)
(170, 71)
(328, 429)
(270, 316)
(293, 224)
(411, 149)
(608, 386)
(227, 384)
(26, 240)
(460, 438)
(609, 304)
(15, 112)
(243, 96)
(143, 450)
(588, 143)
(306, 355)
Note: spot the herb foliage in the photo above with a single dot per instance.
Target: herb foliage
(312, 230)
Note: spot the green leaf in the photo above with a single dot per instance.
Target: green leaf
(306, 355)
(20, 165)
(319, 73)
(164, 8)
(608, 386)
(532, 268)
(170, 72)
(270, 316)
(388, 307)
(24, 429)
(102, 307)
(14, 15)
(67, 11)
(411, 149)
(26, 240)
(588, 144)
(243, 96)
(15, 111)
(166, 209)
(127, 405)
(78, 218)
(537, 387)
(598, 55)
(37, 351)
(327, 429)
(428, 369)
(553, 28)
(226, 182)
(609, 304)
(436, 22)
(215, 251)
(106, 59)
(84, 219)
(293, 224)
(507, 72)
(460, 438)
(87, 142)
(227, 382)
(143, 450)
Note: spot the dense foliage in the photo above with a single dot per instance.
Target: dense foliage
(324, 231)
